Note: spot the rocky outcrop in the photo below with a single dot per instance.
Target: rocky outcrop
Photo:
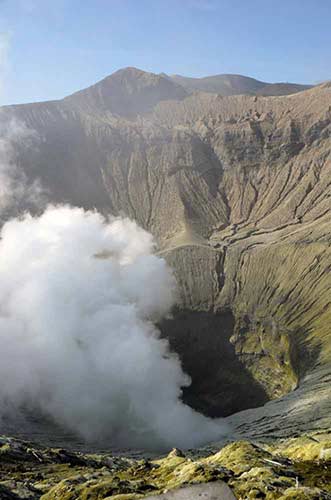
(237, 192)
(297, 468)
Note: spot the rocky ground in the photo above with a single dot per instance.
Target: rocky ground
(296, 468)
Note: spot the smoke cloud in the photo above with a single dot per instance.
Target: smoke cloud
(79, 298)
(16, 190)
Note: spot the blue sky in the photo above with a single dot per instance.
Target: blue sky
(50, 48)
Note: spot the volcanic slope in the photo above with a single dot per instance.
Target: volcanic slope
(237, 191)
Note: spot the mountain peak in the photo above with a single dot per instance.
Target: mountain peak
(128, 92)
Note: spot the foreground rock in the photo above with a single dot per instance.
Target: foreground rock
(298, 468)
(212, 491)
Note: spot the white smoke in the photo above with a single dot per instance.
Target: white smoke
(79, 297)
(16, 190)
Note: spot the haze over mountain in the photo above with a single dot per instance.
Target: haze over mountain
(236, 189)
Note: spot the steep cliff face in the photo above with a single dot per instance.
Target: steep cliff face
(237, 192)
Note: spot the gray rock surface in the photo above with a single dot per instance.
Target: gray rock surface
(212, 491)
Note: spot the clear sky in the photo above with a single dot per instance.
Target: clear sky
(51, 48)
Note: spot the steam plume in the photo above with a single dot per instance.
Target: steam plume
(78, 301)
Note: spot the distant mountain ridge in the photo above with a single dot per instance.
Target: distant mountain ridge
(131, 91)
(228, 84)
